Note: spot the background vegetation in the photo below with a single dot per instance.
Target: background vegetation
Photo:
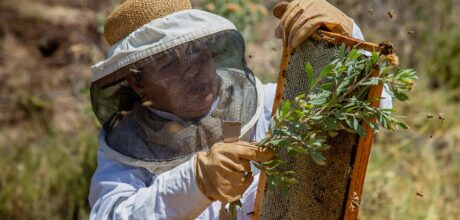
(48, 133)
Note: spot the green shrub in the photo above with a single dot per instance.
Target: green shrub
(243, 13)
(443, 67)
(47, 177)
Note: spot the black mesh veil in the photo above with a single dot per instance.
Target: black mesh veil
(227, 52)
(172, 104)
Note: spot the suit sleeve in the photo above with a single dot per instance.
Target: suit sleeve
(123, 192)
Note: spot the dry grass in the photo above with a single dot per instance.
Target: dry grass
(45, 175)
(415, 174)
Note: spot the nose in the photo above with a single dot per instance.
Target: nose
(196, 64)
(191, 70)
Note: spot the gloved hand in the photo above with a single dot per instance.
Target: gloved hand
(301, 18)
(224, 172)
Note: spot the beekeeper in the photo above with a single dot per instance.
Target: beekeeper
(173, 75)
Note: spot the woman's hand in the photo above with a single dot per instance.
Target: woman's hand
(301, 18)
(224, 172)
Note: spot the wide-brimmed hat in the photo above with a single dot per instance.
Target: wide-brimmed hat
(157, 34)
(132, 14)
(151, 35)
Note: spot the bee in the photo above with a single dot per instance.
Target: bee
(441, 117)
(355, 204)
(125, 113)
(147, 103)
(391, 13)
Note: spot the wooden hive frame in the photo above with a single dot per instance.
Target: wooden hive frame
(363, 148)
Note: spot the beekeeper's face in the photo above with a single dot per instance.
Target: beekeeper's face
(181, 81)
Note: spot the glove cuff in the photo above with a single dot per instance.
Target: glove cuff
(198, 172)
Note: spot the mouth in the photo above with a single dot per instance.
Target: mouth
(200, 93)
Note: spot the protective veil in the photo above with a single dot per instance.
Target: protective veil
(193, 74)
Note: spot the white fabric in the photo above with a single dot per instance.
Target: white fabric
(120, 191)
(357, 33)
(158, 167)
(159, 35)
(387, 101)
(246, 130)
(123, 192)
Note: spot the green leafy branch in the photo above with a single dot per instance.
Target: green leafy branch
(335, 99)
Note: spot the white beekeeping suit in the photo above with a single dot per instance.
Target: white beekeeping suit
(172, 76)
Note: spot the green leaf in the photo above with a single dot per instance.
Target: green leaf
(309, 69)
(403, 125)
(374, 57)
(342, 51)
(278, 142)
(263, 142)
(310, 76)
(291, 151)
(317, 117)
(353, 55)
(382, 120)
(318, 99)
(339, 115)
(359, 129)
(372, 125)
(326, 71)
(326, 86)
(272, 163)
(317, 157)
(331, 123)
(343, 85)
(338, 103)
(282, 132)
(323, 147)
(291, 181)
(353, 123)
(340, 70)
(400, 95)
(370, 82)
(286, 108)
